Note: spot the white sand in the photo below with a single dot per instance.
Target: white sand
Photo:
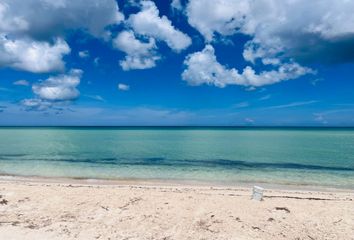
(49, 210)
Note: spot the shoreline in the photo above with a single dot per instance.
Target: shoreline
(170, 183)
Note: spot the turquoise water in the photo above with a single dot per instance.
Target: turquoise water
(305, 156)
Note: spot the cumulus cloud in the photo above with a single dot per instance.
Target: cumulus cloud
(139, 54)
(54, 92)
(33, 56)
(11, 22)
(147, 22)
(46, 18)
(217, 16)
(203, 68)
(284, 35)
(59, 88)
(307, 31)
(123, 87)
(32, 32)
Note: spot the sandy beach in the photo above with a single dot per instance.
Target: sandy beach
(82, 210)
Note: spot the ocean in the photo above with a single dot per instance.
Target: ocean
(226, 155)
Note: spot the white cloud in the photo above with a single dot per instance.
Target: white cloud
(140, 55)
(132, 3)
(96, 97)
(137, 62)
(307, 31)
(36, 104)
(84, 54)
(123, 87)
(293, 104)
(59, 88)
(46, 18)
(176, 5)
(33, 56)
(147, 22)
(203, 68)
(221, 16)
(10, 23)
(265, 97)
(32, 32)
(21, 82)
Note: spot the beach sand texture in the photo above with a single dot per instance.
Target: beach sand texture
(48, 210)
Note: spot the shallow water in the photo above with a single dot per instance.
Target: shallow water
(305, 156)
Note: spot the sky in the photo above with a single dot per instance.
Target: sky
(177, 62)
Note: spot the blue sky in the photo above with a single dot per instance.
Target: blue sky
(197, 62)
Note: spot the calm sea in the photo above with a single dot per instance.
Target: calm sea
(301, 156)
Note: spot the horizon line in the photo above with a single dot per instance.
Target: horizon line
(182, 126)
